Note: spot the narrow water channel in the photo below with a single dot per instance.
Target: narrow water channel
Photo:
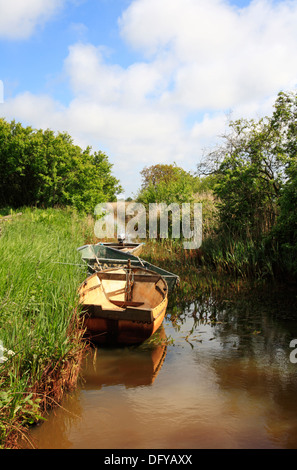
(222, 379)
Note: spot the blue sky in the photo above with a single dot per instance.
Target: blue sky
(35, 62)
(145, 81)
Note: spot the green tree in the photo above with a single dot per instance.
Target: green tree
(41, 168)
(285, 231)
(256, 181)
(166, 183)
(249, 175)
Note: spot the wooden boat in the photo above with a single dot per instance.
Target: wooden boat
(133, 248)
(123, 305)
(101, 256)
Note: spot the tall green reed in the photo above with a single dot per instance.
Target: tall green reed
(40, 271)
(248, 259)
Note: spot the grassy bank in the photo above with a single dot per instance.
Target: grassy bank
(40, 334)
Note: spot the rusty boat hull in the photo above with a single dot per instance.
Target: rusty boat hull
(123, 306)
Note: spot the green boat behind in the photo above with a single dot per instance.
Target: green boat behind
(103, 256)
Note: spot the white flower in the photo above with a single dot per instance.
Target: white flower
(2, 351)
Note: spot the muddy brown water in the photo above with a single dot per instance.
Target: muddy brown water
(224, 378)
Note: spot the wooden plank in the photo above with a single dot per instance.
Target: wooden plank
(128, 314)
(91, 288)
(122, 277)
(126, 303)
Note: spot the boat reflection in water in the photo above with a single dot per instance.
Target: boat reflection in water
(90, 413)
(131, 366)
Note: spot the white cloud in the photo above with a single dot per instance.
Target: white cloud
(19, 18)
(91, 76)
(223, 56)
(39, 111)
(200, 60)
(185, 26)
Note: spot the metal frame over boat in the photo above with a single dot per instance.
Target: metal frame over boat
(124, 305)
(102, 256)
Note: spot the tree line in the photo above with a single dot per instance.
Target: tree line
(256, 189)
(44, 169)
(252, 176)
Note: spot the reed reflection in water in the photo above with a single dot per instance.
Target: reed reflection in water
(225, 381)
